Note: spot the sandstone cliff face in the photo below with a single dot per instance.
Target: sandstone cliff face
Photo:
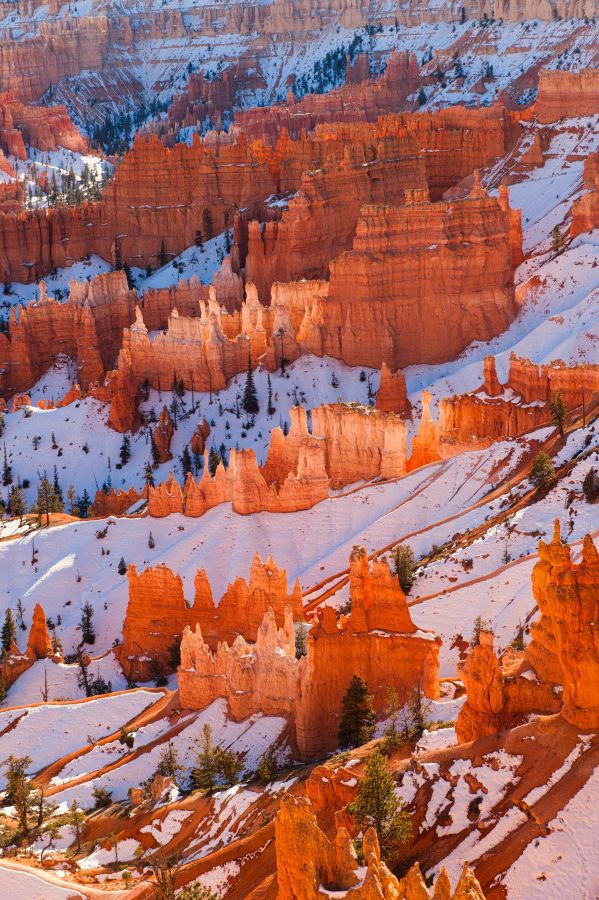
(88, 326)
(379, 643)
(310, 866)
(360, 443)
(257, 678)
(564, 94)
(43, 127)
(564, 645)
(380, 309)
(39, 646)
(392, 394)
(157, 613)
(496, 698)
(163, 435)
(360, 100)
(114, 503)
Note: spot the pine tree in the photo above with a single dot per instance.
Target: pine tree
(16, 501)
(250, 396)
(122, 566)
(404, 566)
(84, 502)
(47, 500)
(357, 714)
(557, 408)
(76, 818)
(19, 788)
(154, 452)
(9, 631)
(56, 485)
(125, 451)
(270, 409)
(301, 640)
(590, 485)
(168, 764)
(377, 806)
(392, 735)
(421, 97)
(267, 766)
(214, 461)
(186, 461)
(88, 633)
(204, 773)
(543, 473)
(556, 238)
(149, 476)
(6, 470)
(128, 276)
(151, 541)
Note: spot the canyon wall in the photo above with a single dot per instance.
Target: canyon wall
(380, 307)
(567, 95)
(46, 128)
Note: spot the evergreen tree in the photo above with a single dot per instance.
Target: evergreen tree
(16, 501)
(56, 485)
(376, 805)
(125, 451)
(122, 567)
(149, 476)
(421, 96)
(128, 276)
(404, 566)
(267, 766)
(154, 452)
(556, 238)
(83, 503)
(47, 500)
(270, 409)
(9, 630)
(88, 633)
(250, 395)
(205, 772)
(214, 461)
(151, 541)
(301, 640)
(392, 734)
(557, 408)
(357, 714)
(590, 486)
(76, 818)
(168, 764)
(543, 473)
(186, 461)
(6, 470)
(222, 452)
(19, 788)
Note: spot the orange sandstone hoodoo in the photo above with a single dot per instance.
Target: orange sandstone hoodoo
(378, 642)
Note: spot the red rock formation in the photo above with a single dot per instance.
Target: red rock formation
(120, 390)
(114, 503)
(496, 699)
(380, 309)
(392, 395)
(379, 643)
(163, 435)
(360, 443)
(72, 395)
(46, 128)
(260, 678)
(426, 442)
(199, 437)
(564, 645)
(309, 865)
(157, 612)
(88, 326)
(39, 645)
(361, 100)
(564, 94)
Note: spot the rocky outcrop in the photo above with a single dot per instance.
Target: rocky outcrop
(256, 678)
(361, 443)
(45, 128)
(88, 326)
(359, 100)
(163, 435)
(114, 503)
(379, 307)
(567, 95)
(310, 866)
(157, 613)
(497, 696)
(39, 645)
(564, 645)
(392, 395)
(379, 642)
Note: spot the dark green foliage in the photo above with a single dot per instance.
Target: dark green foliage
(377, 806)
(357, 715)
